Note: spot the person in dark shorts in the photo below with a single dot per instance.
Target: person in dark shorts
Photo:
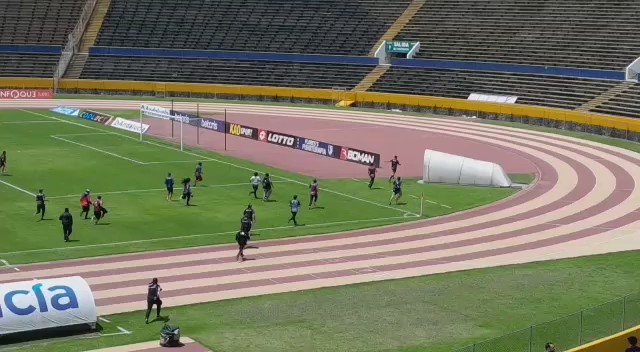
(372, 174)
(267, 187)
(250, 214)
(99, 211)
(198, 174)
(168, 182)
(314, 188)
(40, 204)
(394, 167)
(255, 181)
(397, 190)
(242, 239)
(245, 226)
(67, 224)
(85, 203)
(186, 190)
(3, 162)
(294, 204)
(153, 298)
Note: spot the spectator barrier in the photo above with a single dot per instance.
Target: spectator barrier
(594, 122)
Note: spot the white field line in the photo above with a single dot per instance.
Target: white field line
(104, 320)
(202, 157)
(115, 244)
(81, 134)
(6, 263)
(432, 202)
(17, 188)
(98, 150)
(28, 121)
(160, 189)
(122, 330)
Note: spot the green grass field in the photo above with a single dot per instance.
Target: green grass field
(64, 156)
(435, 313)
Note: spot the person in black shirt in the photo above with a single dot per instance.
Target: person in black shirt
(153, 298)
(169, 183)
(40, 201)
(267, 186)
(245, 226)
(250, 214)
(242, 239)
(67, 223)
(198, 174)
(3, 162)
(186, 190)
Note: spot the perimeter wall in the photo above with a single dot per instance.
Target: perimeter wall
(620, 127)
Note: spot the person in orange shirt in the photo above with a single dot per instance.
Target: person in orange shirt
(85, 203)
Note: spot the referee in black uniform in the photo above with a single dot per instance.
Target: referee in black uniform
(153, 298)
(67, 223)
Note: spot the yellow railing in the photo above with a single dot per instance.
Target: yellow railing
(614, 343)
(472, 107)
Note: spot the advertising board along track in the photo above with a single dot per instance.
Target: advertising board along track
(567, 213)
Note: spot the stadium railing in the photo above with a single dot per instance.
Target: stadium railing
(609, 125)
(570, 331)
(74, 40)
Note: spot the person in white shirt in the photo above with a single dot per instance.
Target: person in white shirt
(255, 184)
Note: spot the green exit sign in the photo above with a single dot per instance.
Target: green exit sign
(399, 47)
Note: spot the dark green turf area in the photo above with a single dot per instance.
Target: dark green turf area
(434, 313)
(66, 156)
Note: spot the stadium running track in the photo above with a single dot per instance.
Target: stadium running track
(585, 201)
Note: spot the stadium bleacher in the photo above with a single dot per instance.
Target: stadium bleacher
(260, 73)
(596, 34)
(549, 91)
(27, 65)
(624, 104)
(38, 22)
(290, 26)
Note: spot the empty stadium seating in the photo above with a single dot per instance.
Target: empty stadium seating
(261, 73)
(38, 21)
(292, 26)
(598, 34)
(624, 104)
(26, 65)
(530, 89)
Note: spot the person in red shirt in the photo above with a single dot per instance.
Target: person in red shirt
(394, 167)
(313, 193)
(99, 211)
(85, 203)
(372, 174)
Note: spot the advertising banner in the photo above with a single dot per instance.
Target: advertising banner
(212, 124)
(96, 117)
(128, 125)
(280, 139)
(66, 111)
(235, 129)
(25, 94)
(317, 147)
(155, 111)
(359, 156)
(42, 304)
(184, 117)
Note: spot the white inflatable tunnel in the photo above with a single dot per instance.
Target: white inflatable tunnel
(448, 168)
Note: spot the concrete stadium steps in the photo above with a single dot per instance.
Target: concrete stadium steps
(606, 96)
(74, 70)
(624, 103)
(399, 24)
(586, 201)
(95, 24)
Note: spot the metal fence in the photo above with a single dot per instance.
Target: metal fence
(569, 331)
